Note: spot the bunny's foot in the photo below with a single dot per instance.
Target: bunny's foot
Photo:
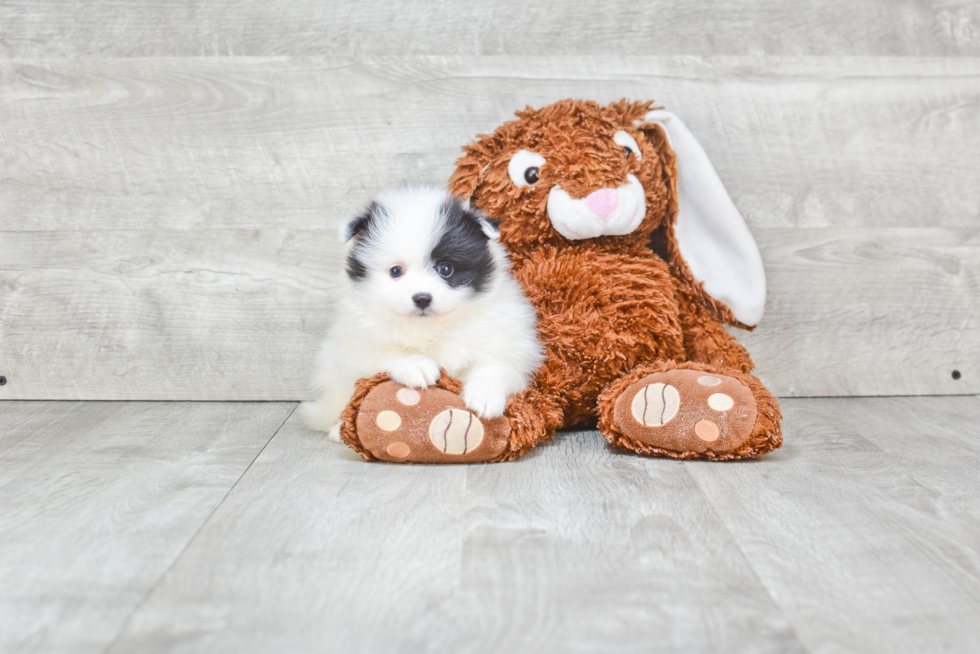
(389, 422)
(690, 411)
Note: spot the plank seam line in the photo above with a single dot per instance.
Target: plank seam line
(74, 435)
(748, 562)
(149, 593)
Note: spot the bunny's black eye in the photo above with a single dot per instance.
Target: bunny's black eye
(445, 270)
(524, 166)
(396, 271)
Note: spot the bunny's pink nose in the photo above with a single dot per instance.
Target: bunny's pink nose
(602, 202)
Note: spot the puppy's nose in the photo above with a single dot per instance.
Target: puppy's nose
(422, 300)
(602, 202)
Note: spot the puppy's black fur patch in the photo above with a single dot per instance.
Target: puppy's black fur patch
(356, 269)
(361, 222)
(464, 246)
(360, 227)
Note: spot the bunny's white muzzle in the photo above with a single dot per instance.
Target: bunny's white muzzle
(606, 212)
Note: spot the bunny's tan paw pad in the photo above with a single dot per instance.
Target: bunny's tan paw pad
(432, 425)
(687, 411)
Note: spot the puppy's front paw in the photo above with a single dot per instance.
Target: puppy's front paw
(414, 371)
(484, 399)
(334, 433)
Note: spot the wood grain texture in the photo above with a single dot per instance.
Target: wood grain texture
(862, 549)
(238, 314)
(32, 28)
(168, 231)
(341, 556)
(118, 533)
(164, 315)
(575, 548)
(98, 500)
(614, 553)
(869, 312)
(260, 143)
(937, 445)
(581, 548)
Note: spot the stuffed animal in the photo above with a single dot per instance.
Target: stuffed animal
(634, 257)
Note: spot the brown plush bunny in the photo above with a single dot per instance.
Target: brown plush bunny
(634, 257)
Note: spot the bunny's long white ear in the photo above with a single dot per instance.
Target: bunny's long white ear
(711, 234)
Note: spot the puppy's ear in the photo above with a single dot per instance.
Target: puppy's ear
(710, 238)
(356, 225)
(489, 227)
(456, 209)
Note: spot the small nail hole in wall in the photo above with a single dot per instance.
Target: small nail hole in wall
(956, 374)
(3, 380)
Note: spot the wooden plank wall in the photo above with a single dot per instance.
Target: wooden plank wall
(171, 174)
(187, 28)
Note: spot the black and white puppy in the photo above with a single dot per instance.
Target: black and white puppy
(426, 286)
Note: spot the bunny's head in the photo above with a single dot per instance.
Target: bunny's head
(619, 176)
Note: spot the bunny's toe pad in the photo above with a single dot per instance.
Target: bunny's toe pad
(687, 411)
(432, 425)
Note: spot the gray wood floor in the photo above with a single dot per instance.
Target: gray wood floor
(228, 527)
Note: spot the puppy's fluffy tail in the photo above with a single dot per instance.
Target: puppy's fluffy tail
(317, 416)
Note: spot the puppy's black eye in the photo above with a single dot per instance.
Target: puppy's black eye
(396, 271)
(627, 151)
(531, 175)
(445, 270)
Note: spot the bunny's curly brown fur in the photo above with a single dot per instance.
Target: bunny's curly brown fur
(608, 306)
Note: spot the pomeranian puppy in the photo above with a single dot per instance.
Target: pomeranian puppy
(427, 285)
